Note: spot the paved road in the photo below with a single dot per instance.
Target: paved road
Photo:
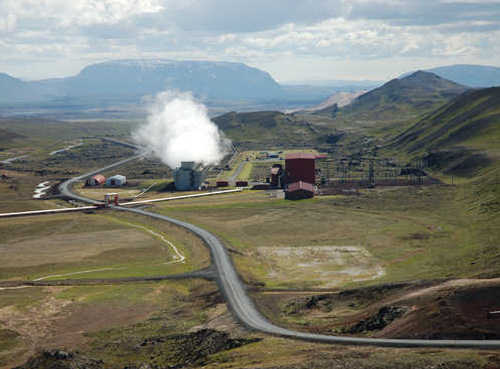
(234, 177)
(65, 187)
(9, 161)
(242, 305)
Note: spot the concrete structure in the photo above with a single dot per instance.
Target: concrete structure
(111, 199)
(116, 180)
(96, 180)
(299, 190)
(276, 175)
(300, 167)
(188, 176)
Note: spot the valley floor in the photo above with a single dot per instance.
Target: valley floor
(385, 262)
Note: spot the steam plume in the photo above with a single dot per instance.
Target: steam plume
(179, 129)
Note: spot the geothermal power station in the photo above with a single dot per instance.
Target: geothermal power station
(297, 178)
(189, 176)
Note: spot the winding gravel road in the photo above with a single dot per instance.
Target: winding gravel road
(242, 305)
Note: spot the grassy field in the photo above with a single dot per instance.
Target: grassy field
(151, 323)
(94, 246)
(284, 250)
(95, 318)
(412, 233)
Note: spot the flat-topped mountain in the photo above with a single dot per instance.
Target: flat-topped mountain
(211, 80)
(132, 79)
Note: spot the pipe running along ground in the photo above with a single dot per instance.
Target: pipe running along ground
(243, 306)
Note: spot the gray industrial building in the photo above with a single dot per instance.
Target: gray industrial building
(116, 180)
(189, 176)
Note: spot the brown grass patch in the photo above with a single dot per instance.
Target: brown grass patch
(60, 248)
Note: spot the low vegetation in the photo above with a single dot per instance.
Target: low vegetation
(413, 233)
(95, 246)
(417, 261)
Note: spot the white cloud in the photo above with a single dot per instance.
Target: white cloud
(63, 13)
(260, 33)
(8, 23)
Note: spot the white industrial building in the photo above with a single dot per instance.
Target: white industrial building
(189, 176)
(116, 180)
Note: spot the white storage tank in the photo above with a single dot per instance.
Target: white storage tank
(116, 180)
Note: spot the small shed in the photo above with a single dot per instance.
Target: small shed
(96, 180)
(116, 180)
(276, 173)
(241, 183)
(222, 184)
(299, 190)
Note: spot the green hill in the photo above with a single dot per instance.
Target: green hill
(398, 100)
(269, 129)
(472, 120)
(461, 139)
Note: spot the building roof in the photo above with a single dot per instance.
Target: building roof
(99, 178)
(300, 155)
(117, 176)
(296, 186)
(187, 164)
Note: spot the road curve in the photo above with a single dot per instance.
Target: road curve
(242, 305)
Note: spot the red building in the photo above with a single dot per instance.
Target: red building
(299, 190)
(300, 167)
(96, 180)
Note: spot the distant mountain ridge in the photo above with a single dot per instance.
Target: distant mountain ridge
(132, 79)
(212, 80)
(468, 74)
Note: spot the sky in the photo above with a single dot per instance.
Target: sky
(293, 40)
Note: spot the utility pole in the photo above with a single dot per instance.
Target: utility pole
(371, 174)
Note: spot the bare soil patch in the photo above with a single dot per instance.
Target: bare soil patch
(80, 319)
(325, 266)
(455, 309)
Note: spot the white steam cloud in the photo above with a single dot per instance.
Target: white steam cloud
(179, 129)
